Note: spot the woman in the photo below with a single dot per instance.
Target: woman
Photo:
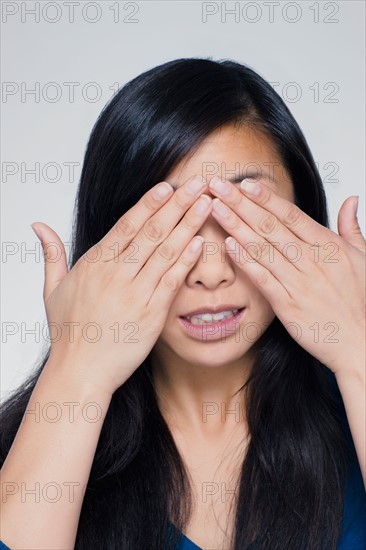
(242, 430)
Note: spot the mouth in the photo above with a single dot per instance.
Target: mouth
(208, 326)
(211, 317)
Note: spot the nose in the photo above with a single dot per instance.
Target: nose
(214, 268)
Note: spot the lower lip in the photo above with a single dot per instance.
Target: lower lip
(213, 331)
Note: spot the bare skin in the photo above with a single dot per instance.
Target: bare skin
(190, 375)
(80, 372)
(197, 379)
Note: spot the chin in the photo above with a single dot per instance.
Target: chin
(213, 354)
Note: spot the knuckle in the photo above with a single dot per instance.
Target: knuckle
(268, 224)
(152, 230)
(265, 196)
(165, 251)
(186, 260)
(180, 201)
(170, 281)
(148, 202)
(189, 223)
(235, 223)
(236, 200)
(292, 215)
(125, 227)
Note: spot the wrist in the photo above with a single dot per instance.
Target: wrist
(354, 373)
(352, 363)
(75, 382)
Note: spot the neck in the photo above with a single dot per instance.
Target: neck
(199, 399)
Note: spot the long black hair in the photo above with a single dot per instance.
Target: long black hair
(293, 476)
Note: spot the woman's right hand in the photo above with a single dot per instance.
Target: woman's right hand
(107, 312)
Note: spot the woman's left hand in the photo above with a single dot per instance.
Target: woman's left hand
(313, 278)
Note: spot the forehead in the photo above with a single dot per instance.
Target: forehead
(233, 152)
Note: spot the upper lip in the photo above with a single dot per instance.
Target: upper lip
(210, 309)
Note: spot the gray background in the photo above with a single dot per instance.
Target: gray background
(314, 51)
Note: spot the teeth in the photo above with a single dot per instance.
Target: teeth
(206, 318)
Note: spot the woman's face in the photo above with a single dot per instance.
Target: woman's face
(215, 278)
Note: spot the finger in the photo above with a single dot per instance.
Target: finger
(54, 257)
(128, 225)
(168, 252)
(348, 226)
(271, 288)
(281, 262)
(156, 229)
(173, 279)
(254, 205)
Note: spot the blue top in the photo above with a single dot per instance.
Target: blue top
(353, 534)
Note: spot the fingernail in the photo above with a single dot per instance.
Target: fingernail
(196, 244)
(196, 185)
(231, 243)
(162, 190)
(250, 187)
(355, 205)
(221, 186)
(202, 204)
(220, 208)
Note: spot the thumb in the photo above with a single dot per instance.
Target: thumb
(54, 257)
(348, 226)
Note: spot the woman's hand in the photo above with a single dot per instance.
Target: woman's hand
(313, 278)
(107, 312)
